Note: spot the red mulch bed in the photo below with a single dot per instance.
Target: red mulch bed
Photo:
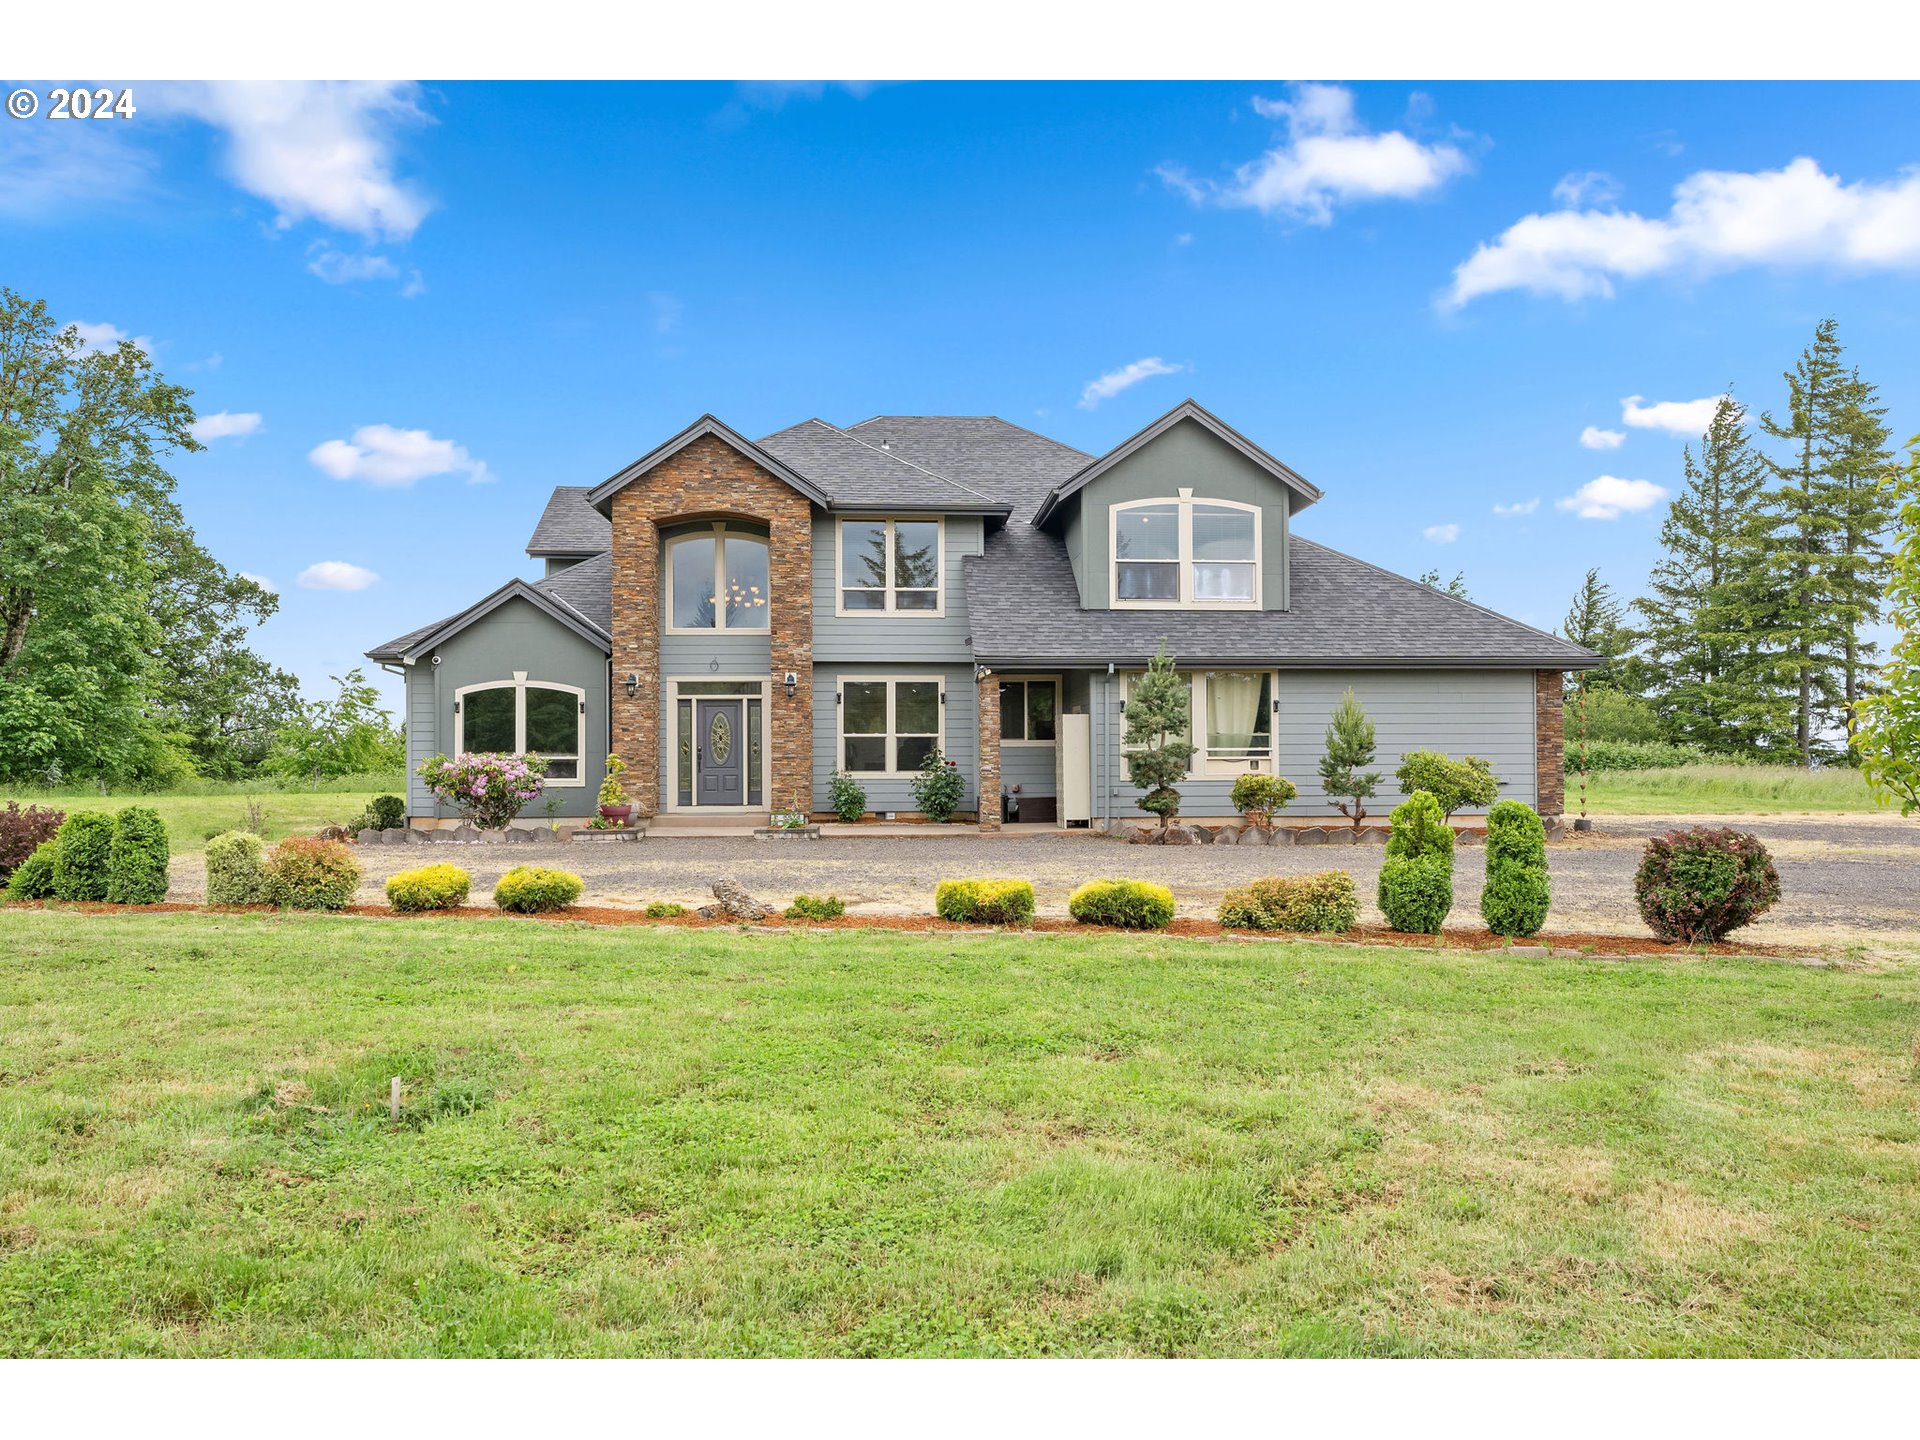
(1474, 938)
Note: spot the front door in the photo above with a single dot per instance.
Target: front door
(719, 749)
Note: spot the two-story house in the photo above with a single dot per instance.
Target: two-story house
(738, 619)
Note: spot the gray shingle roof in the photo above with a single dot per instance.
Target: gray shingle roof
(587, 587)
(857, 471)
(570, 526)
(418, 642)
(980, 451)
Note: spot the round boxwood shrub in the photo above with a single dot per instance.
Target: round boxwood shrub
(1416, 878)
(1516, 896)
(236, 869)
(534, 889)
(1324, 903)
(32, 878)
(1123, 904)
(308, 874)
(137, 857)
(984, 902)
(1258, 797)
(1704, 884)
(816, 907)
(431, 887)
(664, 909)
(80, 871)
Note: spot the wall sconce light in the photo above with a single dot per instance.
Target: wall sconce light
(633, 683)
(792, 682)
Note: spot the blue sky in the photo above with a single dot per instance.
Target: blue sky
(544, 280)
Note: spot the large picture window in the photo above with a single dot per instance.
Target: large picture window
(524, 717)
(1186, 552)
(890, 566)
(1029, 710)
(1233, 713)
(717, 580)
(888, 727)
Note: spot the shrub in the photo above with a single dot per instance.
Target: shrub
(612, 793)
(986, 902)
(137, 857)
(24, 831)
(1634, 755)
(1159, 712)
(1344, 777)
(489, 790)
(938, 788)
(86, 843)
(32, 878)
(534, 889)
(846, 797)
(1324, 903)
(664, 910)
(236, 869)
(383, 812)
(1704, 884)
(308, 874)
(431, 887)
(1123, 904)
(1517, 893)
(816, 907)
(1416, 878)
(1258, 796)
(1455, 784)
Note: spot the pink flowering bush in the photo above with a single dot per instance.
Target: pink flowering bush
(488, 789)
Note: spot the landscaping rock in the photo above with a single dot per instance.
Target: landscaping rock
(402, 836)
(736, 902)
(1372, 835)
(1470, 837)
(520, 837)
(1342, 836)
(1138, 835)
(545, 836)
(1226, 835)
(462, 834)
(1203, 835)
(1178, 835)
(1528, 950)
(1311, 835)
(369, 836)
(333, 832)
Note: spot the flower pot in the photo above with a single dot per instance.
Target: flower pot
(618, 814)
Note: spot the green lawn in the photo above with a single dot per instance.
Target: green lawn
(705, 1142)
(1722, 790)
(204, 805)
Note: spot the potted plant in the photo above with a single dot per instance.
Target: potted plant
(616, 806)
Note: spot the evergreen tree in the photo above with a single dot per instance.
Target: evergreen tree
(1159, 714)
(1344, 776)
(1598, 621)
(1858, 473)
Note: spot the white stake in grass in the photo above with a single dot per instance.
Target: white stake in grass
(393, 1099)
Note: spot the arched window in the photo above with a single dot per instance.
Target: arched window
(525, 717)
(717, 580)
(1186, 553)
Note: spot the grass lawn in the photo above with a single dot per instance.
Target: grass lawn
(708, 1142)
(203, 805)
(1722, 790)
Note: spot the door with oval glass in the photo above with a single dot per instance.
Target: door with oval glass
(719, 748)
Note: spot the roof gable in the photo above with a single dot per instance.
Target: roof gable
(409, 647)
(569, 526)
(601, 497)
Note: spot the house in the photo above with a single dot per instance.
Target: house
(737, 619)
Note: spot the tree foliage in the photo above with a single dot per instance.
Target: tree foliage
(347, 735)
(1888, 734)
(1597, 620)
(1159, 723)
(1344, 776)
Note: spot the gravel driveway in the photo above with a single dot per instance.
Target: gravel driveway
(1840, 876)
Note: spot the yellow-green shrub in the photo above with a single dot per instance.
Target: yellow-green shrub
(534, 889)
(1323, 903)
(1123, 904)
(308, 874)
(984, 902)
(431, 887)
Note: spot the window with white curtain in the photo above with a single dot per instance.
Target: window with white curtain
(1186, 553)
(1232, 711)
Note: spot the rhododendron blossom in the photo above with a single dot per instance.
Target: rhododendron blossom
(489, 790)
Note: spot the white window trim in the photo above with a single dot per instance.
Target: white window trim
(1201, 767)
(1183, 503)
(1054, 681)
(520, 684)
(840, 586)
(718, 533)
(669, 779)
(892, 682)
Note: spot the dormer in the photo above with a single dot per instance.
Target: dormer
(1188, 514)
(570, 530)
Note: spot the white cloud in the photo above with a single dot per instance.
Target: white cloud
(1519, 507)
(1185, 237)
(1442, 534)
(262, 581)
(1720, 220)
(1326, 159)
(1587, 187)
(321, 150)
(1594, 438)
(336, 575)
(1127, 376)
(1608, 498)
(386, 457)
(98, 338)
(336, 267)
(224, 423)
(1676, 417)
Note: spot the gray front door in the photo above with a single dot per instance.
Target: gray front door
(719, 749)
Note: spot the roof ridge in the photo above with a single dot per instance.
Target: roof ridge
(916, 465)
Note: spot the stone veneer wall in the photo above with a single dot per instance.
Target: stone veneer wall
(1549, 742)
(991, 809)
(709, 479)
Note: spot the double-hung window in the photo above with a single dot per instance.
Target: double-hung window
(1029, 710)
(890, 566)
(524, 717)
(888, 727)
(1185, 552)
(717, 580)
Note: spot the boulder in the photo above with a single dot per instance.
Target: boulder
(1309, 835)
(1341, 835)
(1372, 835)
(369, 836)
(1139, 835)
(1470, 837)
(545, 835)
(737, 903)
(1178, 835)
(521, 837)
(1226, 835)
(1204, 835)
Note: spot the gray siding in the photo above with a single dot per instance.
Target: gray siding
(422, 732)
(884, 638)
(893, 793)
(1028, 766)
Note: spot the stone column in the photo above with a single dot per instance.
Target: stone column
(1549, 744)
(989, 777)
(636, 647)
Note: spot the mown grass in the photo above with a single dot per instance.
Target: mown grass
(1722, 790)
(707, 1142)
(199, 806)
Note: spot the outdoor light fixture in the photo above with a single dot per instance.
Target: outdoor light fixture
(791, 681)
(633, 683)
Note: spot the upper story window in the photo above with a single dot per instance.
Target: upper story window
(891, 566)
(717, 580)
(1186, 552)
(525, 717)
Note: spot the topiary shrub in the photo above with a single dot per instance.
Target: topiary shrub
(32, 878)
(1122, 904)
(664, 910)
(24, 831)
(846, 797)
(1517, 893)
(1704, 884)
(1416, 878)
(1454, 784)
(308, 874)
(431, 887)
(237, 869)
(816, 907)
(80, 871)
(1258, 796)
(1324, 903)
(984, 902)
(534, 889)
(137, 857)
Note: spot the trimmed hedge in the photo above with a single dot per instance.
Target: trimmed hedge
(1122, 904)
(1517, 893)
(80, 870)
(32, 878)
(1416, 878)
(1704, 884)
(431, 887)
(984, 902)
(237, 869)
(308, 874)
(137, 857)
(816, 907)
(534, 889)
(1324, 903)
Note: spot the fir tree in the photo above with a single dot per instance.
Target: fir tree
(1344, 776)
(1858, 471)
(1598, 621)
(1159, 718)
